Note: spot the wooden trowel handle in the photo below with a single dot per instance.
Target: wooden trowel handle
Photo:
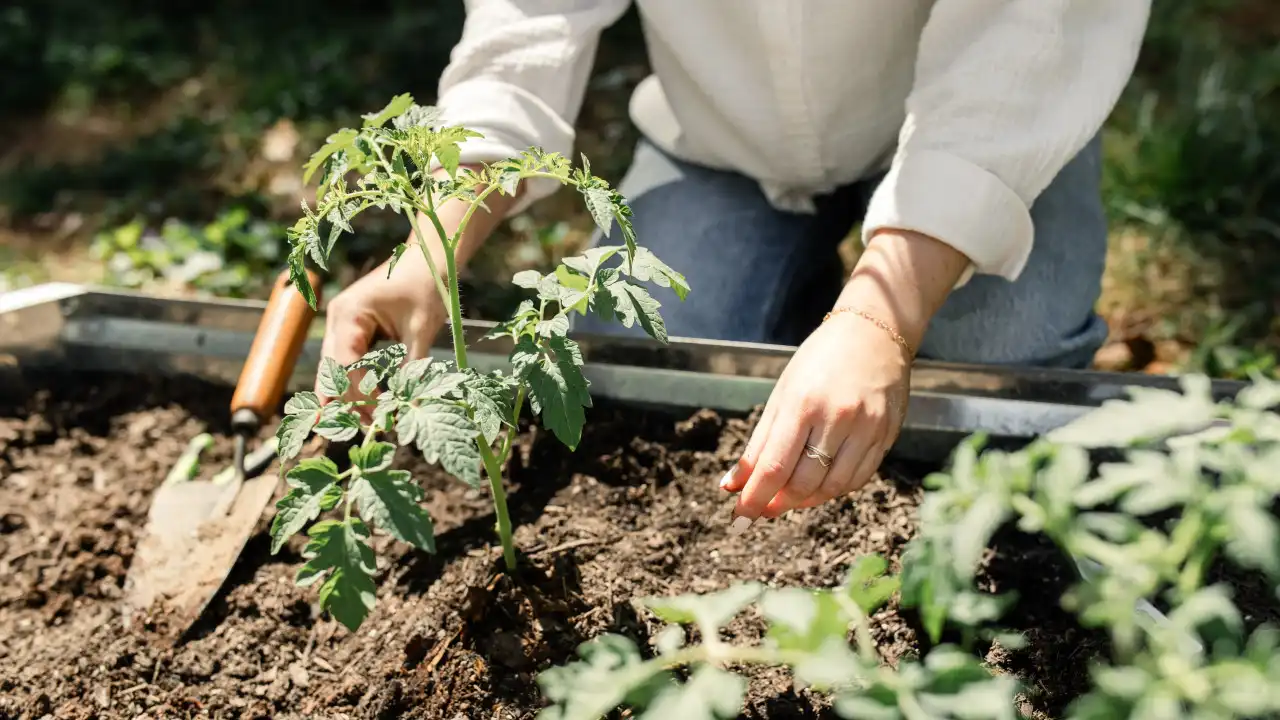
(275, 350)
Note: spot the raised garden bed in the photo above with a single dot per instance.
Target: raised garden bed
(635, 511)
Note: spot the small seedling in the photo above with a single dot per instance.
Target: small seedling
(1197, 487)
(458, 417)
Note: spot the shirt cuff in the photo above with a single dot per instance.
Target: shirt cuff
(951, 199)
(511, 120)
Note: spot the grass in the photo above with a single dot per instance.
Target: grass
(157, 137)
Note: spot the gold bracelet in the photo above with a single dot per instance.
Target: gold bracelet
(897, 337)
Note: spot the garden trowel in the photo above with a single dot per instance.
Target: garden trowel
(197, 529)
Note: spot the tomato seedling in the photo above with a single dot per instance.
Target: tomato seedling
(458, 417)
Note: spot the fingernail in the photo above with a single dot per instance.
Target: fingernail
(724, 481)
(740, 525)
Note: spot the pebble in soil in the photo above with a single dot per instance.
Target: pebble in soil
(634, 512)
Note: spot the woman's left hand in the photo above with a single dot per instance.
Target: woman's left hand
(834, 413)
(839, 405)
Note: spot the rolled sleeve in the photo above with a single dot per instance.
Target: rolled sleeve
(518, 76)
(1006, 93)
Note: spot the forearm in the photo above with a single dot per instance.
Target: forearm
(903, 278)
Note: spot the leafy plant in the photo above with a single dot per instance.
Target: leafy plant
(453, 414)
(1197, 485)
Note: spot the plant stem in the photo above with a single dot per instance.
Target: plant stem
(455, 310)
(422, 245)
(494, 470)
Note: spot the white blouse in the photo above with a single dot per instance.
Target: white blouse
(973, 106)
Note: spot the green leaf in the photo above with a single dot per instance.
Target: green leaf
(599, 203)
(396, 254)
(338, 423)
(1151, 414)
(302, 412)
(333, 380)
(971, 533)
(424, 116)
(443, 433)
(710, 612)
(867, 585)
(1254, 540)
(490, 399)
(710, 694)
(398, 105)
(449, 156)
(342, 140)
(591, 260)
(368, 384)
(313, 489)
(609, 673)
(830, 665)
(338, 554)
(389, 498)
(528, 279)
(383, 361)
(646, 267)
(558, 391)
(803, 619)
(298, 277)
(556, 325)
(632, 303)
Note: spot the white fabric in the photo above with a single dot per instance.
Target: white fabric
(973, 106)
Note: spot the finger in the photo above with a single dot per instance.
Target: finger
(810, 471)
(736, 478)
(782, 449)
(347, 336)
(855, 469)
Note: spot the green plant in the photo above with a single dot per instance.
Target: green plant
(450, 412)
(1196, 487)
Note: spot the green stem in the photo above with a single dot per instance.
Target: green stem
(494, 471)
(455, 311)
(426, 254)
(862, 628)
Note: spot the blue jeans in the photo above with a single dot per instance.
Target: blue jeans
(758, 274)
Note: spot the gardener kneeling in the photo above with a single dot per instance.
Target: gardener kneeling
(961, 134)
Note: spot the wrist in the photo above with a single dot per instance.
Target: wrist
(903, 278)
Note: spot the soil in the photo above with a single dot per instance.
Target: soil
(634, 512)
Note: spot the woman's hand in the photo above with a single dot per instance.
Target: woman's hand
(839, 405)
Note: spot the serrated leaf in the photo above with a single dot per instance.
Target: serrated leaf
(631, 304)
(313, 489)
(342, 140)
(449, 155)
(338, 554)
(710, 612)
(490, 399)
(338, 423)
(556, 325)
(646, 267)
(600, 681)
(831, 664)
(302, 412)
(528, 279)
(389, 498)
(396, 254)
(591, 259)
(973, 530)
(558, 391)
(368, 384)
(398, 105)
(417, 116)
(1151, 414)
(374, 457)
(709, 694)
(443, 433)
(598, 202)
(1254, 540)
(382, 361)
(333, 380)
(802, 619)
(298, 278)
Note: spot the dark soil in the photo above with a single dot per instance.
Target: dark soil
(634, 512)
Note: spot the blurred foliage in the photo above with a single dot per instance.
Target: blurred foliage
(146, 118)
(1193, 159)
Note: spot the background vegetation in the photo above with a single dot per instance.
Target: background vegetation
(157, 145)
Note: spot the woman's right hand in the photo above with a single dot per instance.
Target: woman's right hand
(405, 308)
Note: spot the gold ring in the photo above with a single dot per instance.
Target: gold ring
(818, 455)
